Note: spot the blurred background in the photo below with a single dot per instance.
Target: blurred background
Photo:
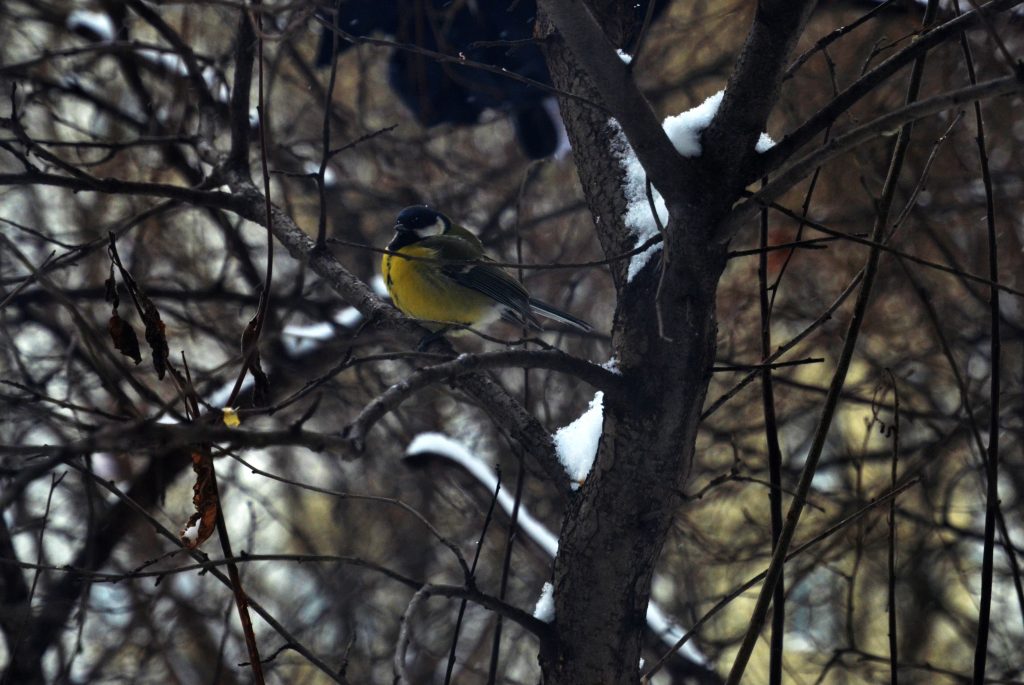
(101, 88)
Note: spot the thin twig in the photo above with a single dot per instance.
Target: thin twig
(787, 177)
(472, 569)
(27, 281)
(466, 569)
(995, 353)
(653, 240)
(325, 144)
(832, 37)
(27, 616)
(804, 212)
(460, 60)
(642, 33)
(751, 582)
(405, 635)
(790, 344)
(771, 429)
(506, 568)
(466, 363)
(874, 244)
(894, 660)
(362, 139)
(725, 368)
(664, 261)
(793, 245)
(838, 379)
(241, 599)
(1015, 65)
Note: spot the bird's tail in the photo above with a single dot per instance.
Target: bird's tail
(544, 309)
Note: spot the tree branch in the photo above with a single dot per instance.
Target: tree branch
(928, 39)
(613, 80)
(553, 360)
(753, 88)
(796, 171)
(500, 406)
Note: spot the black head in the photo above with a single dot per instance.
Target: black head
(423, 221)
(416, 223)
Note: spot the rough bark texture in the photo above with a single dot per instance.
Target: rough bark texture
(617, 523)
(752, 93)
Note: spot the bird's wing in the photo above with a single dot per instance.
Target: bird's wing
(493, 282)
(457, 231)
(478, 275)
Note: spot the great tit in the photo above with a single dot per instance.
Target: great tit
(453, 281)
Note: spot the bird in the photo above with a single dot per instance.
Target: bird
(451, 282)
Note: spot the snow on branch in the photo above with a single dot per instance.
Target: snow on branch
(440, 445)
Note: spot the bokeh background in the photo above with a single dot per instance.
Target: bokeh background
(120, 106)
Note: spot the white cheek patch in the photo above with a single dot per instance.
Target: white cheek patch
(436, 228)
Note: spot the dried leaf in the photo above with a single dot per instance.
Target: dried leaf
(230, 417)
(125, 340)
(201, 524)
(156, 336)
(110, 288)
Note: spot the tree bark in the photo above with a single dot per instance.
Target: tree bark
(616, 524)
(664, 332)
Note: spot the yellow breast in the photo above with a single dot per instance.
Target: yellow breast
(422, 291)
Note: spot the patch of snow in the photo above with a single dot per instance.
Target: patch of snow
(684, 129)
(216, 84)
(669, 632)
(69, 80)
(379, 287)
(576, 444)
(174, 64)
(348, 317)
(190, 534)
(545, 609)
(314, 331)
(612, 365)
(219, 397)
(624, 56)
(551, 107)
(300, 339)
(639, 219)
(330, 176)
(95, 23)
(443, 446)
(166, 60)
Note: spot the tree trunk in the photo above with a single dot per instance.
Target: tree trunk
(616, 524)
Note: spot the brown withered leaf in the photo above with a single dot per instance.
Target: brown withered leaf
(125, 340)
(110, 289)
(201, 524)
(156, 336)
